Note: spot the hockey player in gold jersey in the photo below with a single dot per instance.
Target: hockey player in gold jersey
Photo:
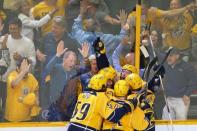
(121, 89)
(145, 105)
(135, 120)
(93, 106)
(110, 74)
(127, 70)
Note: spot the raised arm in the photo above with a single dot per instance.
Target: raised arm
(36, 23)
(170, 13)
(23, 70)
(110, 40)
(60, 51)
(117, 113)
(116, 58)
(77, 29)
(116, 54)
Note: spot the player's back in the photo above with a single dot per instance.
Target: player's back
(107, 125)
(89, 111)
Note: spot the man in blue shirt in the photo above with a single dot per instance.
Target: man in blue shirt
(48, 48)
(92, 32)
(62, 73)
(180, 80)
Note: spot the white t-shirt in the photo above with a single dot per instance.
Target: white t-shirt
(24, 46)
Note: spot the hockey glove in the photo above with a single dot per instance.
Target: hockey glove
(133, 102)
(99, 46)
(160, 70)
(145, 105)
(153, 83)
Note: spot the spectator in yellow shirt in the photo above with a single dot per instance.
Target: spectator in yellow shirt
(176, 30)
(46, 6)
(22, 94)
(173, 23)
(13, 4)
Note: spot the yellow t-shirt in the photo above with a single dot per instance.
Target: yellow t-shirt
(13, 4)
(15, 110)
(151, 17)
(2, 15)
(177, 31)
(42, 9)
(194, 30)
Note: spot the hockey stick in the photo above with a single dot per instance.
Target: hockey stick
(161, 82)
(146, 75)
(152, 62)
(163, 61)
(148, 68)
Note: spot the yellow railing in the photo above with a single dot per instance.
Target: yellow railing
(138, 30)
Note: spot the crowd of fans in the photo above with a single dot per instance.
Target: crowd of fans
(55, 53)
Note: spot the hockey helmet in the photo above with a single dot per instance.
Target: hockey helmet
(108, 72)
(97, 82)
(121, 88)
(130, 68)
(135, 81)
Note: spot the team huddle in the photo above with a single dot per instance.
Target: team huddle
(72, 60)
(115, 101)
(122, 106)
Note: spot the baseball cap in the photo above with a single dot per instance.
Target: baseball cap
(175, 51)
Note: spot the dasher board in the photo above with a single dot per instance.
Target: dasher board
(189, 125)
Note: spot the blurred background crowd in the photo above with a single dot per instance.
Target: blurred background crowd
(47, 57)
